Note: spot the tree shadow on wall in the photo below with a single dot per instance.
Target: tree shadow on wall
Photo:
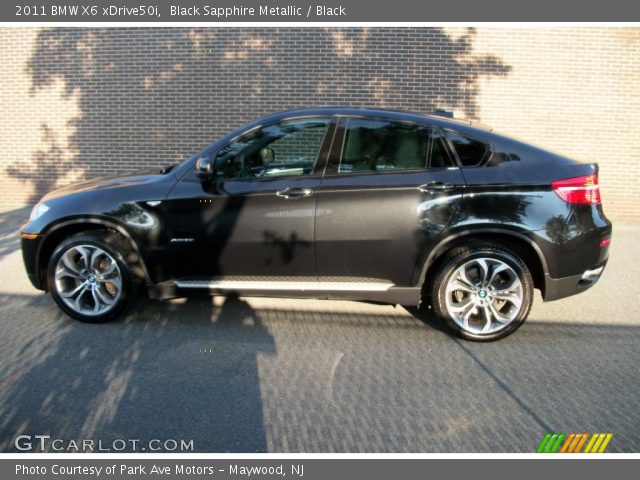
(153, 96)
(46, 166)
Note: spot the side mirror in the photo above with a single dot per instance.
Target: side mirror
(204, 168)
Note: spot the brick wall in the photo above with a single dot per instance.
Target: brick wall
(80, 103)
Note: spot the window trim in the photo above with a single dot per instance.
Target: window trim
(454, 152)
(453, 161)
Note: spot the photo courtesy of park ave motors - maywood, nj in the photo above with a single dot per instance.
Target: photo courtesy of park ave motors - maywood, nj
(233, 469)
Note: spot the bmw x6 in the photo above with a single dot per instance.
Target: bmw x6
(358, 204)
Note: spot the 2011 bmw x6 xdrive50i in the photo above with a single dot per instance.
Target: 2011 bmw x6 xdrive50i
(356, 204)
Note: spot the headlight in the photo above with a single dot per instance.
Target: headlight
(37, 211)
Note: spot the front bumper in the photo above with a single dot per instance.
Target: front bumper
(30, 249)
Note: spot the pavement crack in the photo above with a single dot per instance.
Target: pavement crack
(334, 367)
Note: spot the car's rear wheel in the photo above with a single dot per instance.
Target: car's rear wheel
(482, 292)
(88, 277)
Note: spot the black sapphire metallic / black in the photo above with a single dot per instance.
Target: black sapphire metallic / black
(357, 204)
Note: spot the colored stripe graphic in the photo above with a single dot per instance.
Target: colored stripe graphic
(556, 445)
(543, 443)
(606, 441)
(583, 439)
(550, 443)
(573, 443)
(598, 443)
(567, 443)
(592, 441)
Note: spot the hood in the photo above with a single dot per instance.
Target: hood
(105, 183)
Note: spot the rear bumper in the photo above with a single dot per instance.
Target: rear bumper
(557, 288)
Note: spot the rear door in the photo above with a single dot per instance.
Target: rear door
(389, 187)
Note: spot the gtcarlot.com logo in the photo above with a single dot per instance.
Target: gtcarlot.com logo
(45, 443)
(574, 443)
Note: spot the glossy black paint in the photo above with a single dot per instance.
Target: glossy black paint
(375, 226)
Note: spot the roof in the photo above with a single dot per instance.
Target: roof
(396, 114)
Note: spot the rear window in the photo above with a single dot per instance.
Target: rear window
(471, 152)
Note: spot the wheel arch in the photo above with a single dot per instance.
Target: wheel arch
(57, 232)
(517, 242)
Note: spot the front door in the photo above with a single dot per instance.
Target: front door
(255, 217)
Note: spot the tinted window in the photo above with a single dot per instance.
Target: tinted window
(470, 152)
(380, 145)
(288, 148)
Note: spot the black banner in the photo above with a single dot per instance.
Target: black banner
(313, 469)
(316, 11)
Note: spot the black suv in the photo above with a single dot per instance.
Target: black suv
(356, 204)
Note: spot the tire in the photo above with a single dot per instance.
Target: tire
(94, 259)
(482, 292)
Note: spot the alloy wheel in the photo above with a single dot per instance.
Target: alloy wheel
(484, 295)
(88, 280)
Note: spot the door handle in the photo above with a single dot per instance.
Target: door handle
(436, 187)
(291, 193)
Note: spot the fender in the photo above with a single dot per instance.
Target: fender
(441, 247)
(94, 220)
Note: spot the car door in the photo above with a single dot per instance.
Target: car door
(255, 216)
(390, 186)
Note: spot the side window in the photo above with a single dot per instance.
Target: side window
(471, 152)
(287, 148)
(380, 145)
(439, 157)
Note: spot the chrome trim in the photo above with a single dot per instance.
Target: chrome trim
(590, 275)
(283, 285)
(293, 193)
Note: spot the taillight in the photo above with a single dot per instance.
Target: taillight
(583, 189)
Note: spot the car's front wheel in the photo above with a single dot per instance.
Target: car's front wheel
(88, 277)
(482, 292)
